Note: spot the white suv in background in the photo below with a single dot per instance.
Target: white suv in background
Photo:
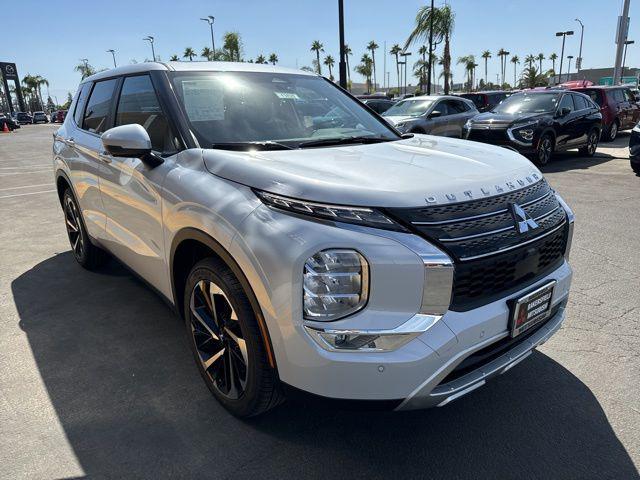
(307, 245)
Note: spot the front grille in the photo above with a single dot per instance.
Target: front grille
(491, 257)
(489, 135)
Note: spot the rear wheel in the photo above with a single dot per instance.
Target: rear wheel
(612, 132)
(592, 144)
(226, 341)
(544, 151)
(85, 253)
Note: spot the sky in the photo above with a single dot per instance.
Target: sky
(49, 38)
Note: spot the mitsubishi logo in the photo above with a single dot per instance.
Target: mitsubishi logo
(523, 221)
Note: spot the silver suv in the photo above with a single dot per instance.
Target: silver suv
(306, 243)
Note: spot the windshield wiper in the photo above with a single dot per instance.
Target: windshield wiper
(246, 146)
(344, 141)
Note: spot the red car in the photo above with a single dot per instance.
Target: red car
(618, 105)
(58, 117)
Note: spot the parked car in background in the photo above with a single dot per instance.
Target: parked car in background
(618, 105)
(58, 116)
(40, 117)
(9, 122)
(23, 118)
(538, 123)
(379, 105)
(486, 101)
(634, 149)
(442, 115)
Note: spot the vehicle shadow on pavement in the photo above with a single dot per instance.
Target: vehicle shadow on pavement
(120, 376)
(565, 161)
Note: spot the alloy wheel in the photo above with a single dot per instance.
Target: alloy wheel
(544, 150)
(74, 229)
(218, 339)
(613, 131)
(592, 143)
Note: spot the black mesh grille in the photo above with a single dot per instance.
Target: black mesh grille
(491, 257)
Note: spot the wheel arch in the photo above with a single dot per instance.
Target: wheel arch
(191, 245)
(63, 183)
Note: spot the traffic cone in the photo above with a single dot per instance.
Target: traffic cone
(5, 128)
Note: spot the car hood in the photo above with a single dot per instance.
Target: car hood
(499, 120)
(396, 119)
(406, 173)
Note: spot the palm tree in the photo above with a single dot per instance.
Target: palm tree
(85, 69)
(347, 52)
(232, 45)
(260, 59)
(515, 60)
(443, 24)
(486, 55)
(553, 57)
(372, 46)
(420, 71)
(329, 62)
(531, 78)
(207, 53)
(529, 59)
(317, 47)
(189, 53)
(365, 69)
(540, 57)
(174, 58)
(502, 53)
(273, 59)
(422, 51)
(395, 50)
(469, 62)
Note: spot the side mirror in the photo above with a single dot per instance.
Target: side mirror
(435, 114)
(130, 141)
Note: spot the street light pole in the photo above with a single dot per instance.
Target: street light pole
(149, 39)
(579, 59)
(564, 36)
(210, 19)
(621, 38)
(430, 51)
(569, 57)
(624, 58)
(343, 63)
(113, 54)
(405, 55)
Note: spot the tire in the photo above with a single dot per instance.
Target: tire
(86, 253)
(636, 169)
(611, 132)
(544, 150)
(228, 346)
(590, 148)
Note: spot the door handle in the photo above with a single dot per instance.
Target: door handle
(105, 157)
(70, 142)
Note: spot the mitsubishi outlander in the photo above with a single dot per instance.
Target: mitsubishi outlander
(307, 245)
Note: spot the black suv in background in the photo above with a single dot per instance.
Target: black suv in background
(634, 149)
(486, 101)
(539, 123)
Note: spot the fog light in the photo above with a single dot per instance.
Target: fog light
(336, 284)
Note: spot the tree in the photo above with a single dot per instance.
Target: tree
(85, 69)
(174, 58)
(540, 57)
(422, 51)
(531, 78)
(207, 53)
(231, 47)
(529, 59)
(372, 46)
(469, 62)
(553, 57)
(329, 62)
(189, 53)
(502, 53)
(395, 50)
(317, 47)
(486, 55)
(515, 60)
(260, 59)
(366, 69)
(443, 25)
(347, 52)
(67, 104)
(420, 71)
(273, 59)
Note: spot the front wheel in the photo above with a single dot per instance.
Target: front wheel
(544, 150)
(589, 149)
(226, 341)
(85, 253)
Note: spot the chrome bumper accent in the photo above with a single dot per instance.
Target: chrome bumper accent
(431, 394)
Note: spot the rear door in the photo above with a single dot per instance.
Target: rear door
(625, 113)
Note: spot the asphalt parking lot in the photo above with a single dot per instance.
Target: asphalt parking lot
(96, 379)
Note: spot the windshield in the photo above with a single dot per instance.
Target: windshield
(410, 108)
(256, 107)
(528, 103)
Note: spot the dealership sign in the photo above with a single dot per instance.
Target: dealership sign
(9, 70)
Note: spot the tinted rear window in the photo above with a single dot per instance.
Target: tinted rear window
(593, 94)
(477, 99)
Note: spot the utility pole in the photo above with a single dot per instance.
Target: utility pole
(343, 63)
(621, 38)
(579, 59)
(210, 19)
(430, 51)
(624, 58)
(149, 39)
(564, 36)
(384, 67)
(113, 54)
(405, 55)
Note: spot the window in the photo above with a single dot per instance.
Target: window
(443, 108)
(97, 111)
(580, 102)
(139, 104)
(80, 101)
(566, 102)
(629, 96)
(456, 106)
(618, 96)
(595, 95)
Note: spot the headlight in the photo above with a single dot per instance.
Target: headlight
(523, 131)
(336, 284)
(359, 215)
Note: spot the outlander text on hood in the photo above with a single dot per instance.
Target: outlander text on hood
(307, 245)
